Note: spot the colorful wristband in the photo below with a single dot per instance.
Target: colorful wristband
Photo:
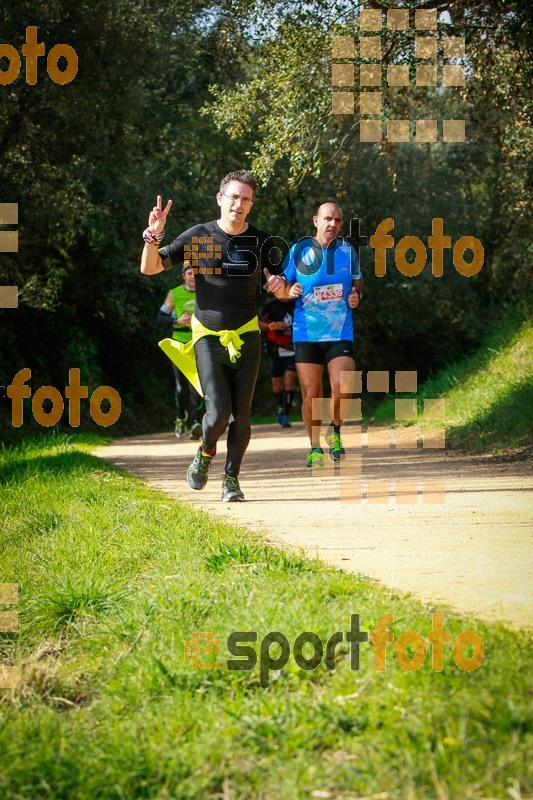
(153, 238)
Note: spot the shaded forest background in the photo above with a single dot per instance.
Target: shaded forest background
(169, 98)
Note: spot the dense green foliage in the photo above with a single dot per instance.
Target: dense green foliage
(489, 394)
(113, 578)
(167, 99)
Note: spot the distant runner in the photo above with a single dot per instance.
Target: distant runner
(176, 314)
(228, 254)
(324, 276)
(276, 320)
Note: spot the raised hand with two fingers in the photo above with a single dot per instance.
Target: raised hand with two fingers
(158, 215)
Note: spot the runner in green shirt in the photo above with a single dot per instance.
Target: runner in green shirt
(179, 306)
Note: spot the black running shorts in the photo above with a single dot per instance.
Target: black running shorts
(322, 352)
(278, 364)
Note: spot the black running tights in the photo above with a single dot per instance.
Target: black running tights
(188, 402)
(228, 390)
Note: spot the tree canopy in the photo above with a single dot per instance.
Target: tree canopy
(169, 98)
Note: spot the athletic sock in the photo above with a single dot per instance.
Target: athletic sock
(336, 428)
(279, 398)
(207, 452)
(288, 397)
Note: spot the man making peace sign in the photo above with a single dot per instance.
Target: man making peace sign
(228, 254)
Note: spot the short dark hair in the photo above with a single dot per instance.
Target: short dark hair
(241, 175)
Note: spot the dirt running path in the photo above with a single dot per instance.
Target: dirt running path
(474, 552)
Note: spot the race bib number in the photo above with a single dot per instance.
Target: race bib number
(324, 294)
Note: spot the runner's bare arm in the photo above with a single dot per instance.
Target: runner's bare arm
(169, 302)
(151, 262)
(356, 293)
(280, 287)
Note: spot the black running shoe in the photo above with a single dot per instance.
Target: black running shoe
(180, 426)
(231, 491)
(198, 472)
(196, 431)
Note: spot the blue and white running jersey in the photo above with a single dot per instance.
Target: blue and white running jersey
(322, 313)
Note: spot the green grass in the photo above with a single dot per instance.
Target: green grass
(489, 394)
(113, 577)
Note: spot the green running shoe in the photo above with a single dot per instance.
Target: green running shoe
(231, 491)
(198, 472)
(336, 450)
(316, 459)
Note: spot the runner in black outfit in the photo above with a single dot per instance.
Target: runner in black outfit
(230, 255)
(275, 319)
